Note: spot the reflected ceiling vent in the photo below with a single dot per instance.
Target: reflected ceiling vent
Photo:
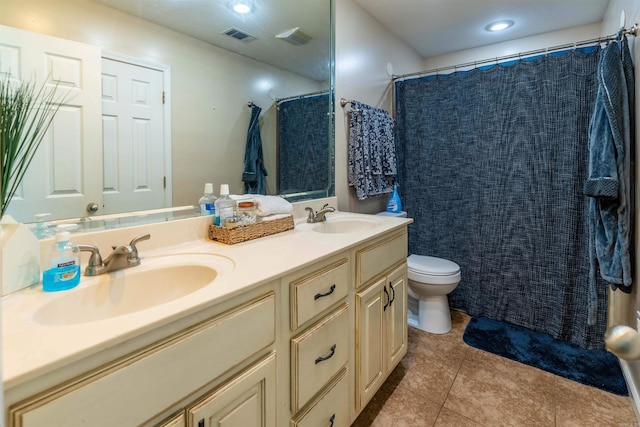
(294, 36)
(239, 35)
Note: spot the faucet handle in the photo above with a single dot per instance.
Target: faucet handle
(134, 242)
(95, 260)
(139, 239)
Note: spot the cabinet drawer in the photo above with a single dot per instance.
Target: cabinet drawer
(331, 407)
(317, 355)
(160, 374)
(318, 291)
(375, 259)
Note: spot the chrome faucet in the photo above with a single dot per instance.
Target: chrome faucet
(320, 215)
(121, 257)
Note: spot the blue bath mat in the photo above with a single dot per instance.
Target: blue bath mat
(597, 368)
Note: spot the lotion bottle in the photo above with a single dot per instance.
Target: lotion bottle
(394, 204)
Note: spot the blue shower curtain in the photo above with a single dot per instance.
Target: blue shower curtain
(303, 152)
(491, 167)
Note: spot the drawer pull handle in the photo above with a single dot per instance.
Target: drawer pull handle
(322, 359)
(332, 419)
(331, 289)
(387, 303)
(393, 295)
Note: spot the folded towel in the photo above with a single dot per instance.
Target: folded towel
(271, 205)
(274, 216)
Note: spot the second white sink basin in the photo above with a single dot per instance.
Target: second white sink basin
(158, 280)
(346, 225)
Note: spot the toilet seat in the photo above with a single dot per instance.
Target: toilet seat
(432, 270)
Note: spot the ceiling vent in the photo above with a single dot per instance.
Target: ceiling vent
(239, 35)
(294, 36)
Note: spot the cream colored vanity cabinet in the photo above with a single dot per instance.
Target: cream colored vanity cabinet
(321, 344)
(221, 364)
(381, 313)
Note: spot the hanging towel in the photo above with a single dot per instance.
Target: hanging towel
(254, 171)
(611, 135)
(372, 153)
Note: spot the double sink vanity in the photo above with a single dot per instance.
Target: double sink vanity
(299, 328)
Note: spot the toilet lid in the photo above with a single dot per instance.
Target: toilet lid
(432, 265)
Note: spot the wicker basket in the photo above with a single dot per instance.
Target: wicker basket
(249, 232)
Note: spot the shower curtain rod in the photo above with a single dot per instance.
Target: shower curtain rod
(633, 31)
(306, 95)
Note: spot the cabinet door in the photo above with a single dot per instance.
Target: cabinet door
(247, 400)
(396, 317)
(370, 324)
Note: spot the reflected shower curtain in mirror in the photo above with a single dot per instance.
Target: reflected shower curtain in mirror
(491, 167)
(303, 132)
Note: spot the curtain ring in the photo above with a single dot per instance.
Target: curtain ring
(546, 52)
(475, 65)
(575, 45)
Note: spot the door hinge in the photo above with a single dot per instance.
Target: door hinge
(163, 93)
(164, 182)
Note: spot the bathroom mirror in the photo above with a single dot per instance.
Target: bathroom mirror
(211, 63)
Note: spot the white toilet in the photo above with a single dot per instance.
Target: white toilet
(431, 279)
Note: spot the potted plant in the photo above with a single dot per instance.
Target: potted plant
(26, 113)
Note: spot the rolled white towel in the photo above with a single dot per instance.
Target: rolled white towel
(274, 217)
(272, 205)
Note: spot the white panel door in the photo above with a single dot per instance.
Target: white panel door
(133, 137)
(66, 172)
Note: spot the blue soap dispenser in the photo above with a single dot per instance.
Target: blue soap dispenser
(394, 205)
(64, 268)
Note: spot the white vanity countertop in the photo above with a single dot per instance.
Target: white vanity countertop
(30, 349)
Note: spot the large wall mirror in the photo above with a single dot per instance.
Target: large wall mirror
(164, 92)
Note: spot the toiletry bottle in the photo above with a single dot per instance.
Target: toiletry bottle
(64, 271)
(394, 204)
(42, 230)
(225, 206)
(207, 202)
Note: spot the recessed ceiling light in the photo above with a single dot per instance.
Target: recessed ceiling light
(498, 26)
(241, 6)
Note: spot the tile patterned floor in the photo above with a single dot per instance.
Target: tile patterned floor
(442, 382)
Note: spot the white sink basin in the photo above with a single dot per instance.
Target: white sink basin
(156, 281)
(345, 225)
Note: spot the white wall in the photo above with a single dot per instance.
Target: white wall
(210, 87)
(363, 49)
